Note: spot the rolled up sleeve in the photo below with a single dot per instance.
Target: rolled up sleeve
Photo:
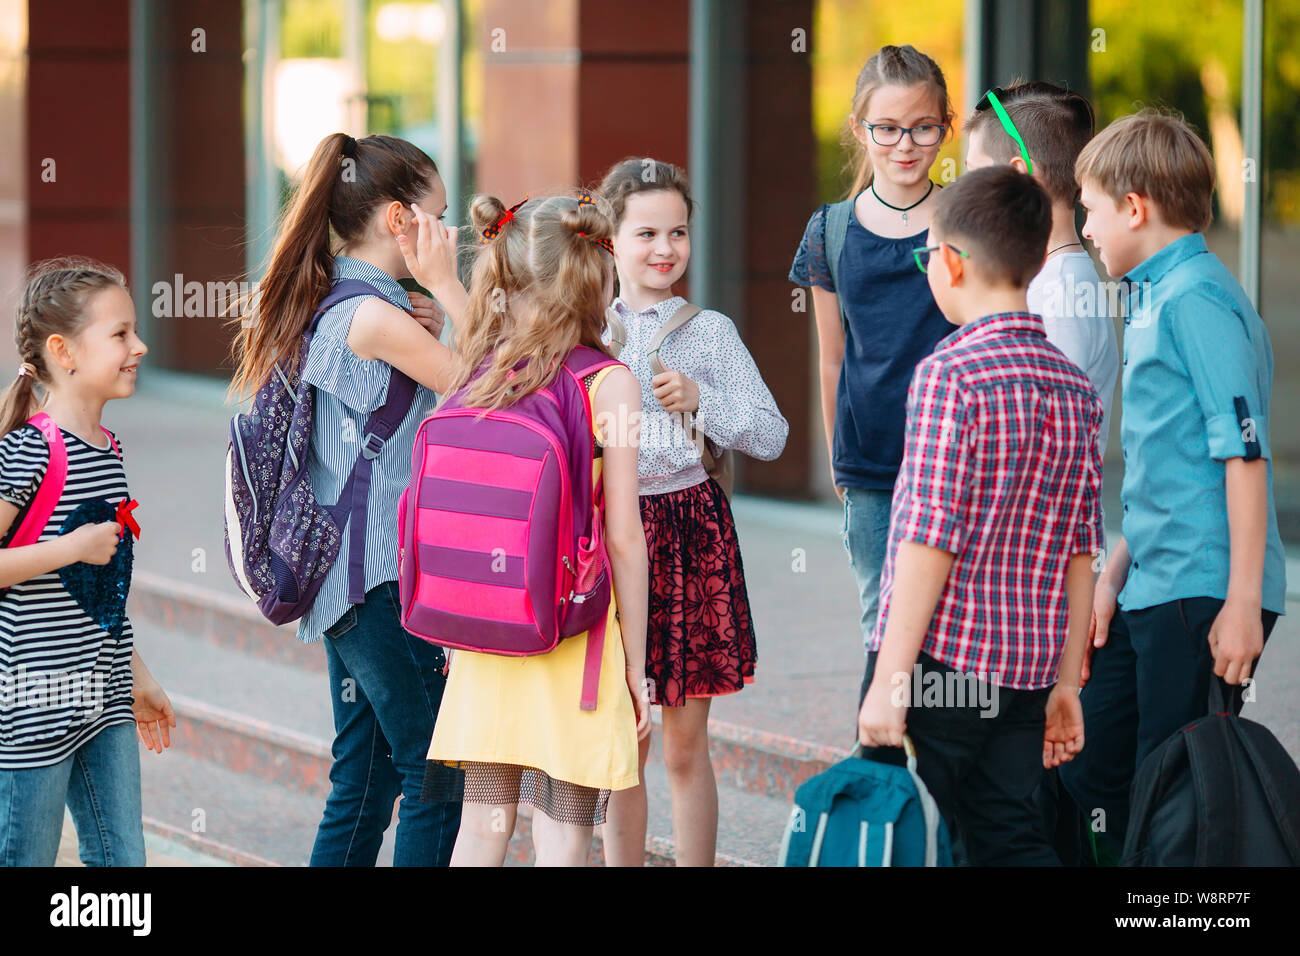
(936, 461)
(1222, 361)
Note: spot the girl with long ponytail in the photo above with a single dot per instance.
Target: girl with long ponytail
(367, 209)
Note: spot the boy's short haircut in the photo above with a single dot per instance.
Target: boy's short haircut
(1055, 124)
(1157, 156)
(1001, 218)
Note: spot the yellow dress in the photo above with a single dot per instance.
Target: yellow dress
(524, 711)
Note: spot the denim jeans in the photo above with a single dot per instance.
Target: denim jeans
(386, 686)
(99, 782)
(866, 538)
(1150, 678)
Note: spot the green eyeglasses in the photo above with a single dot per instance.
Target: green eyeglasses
(925, 251)
(991, 99)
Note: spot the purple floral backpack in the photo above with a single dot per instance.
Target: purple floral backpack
(281, 541)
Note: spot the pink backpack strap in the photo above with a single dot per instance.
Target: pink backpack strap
(51, 487)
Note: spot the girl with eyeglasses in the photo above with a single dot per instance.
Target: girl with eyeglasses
(876, 317)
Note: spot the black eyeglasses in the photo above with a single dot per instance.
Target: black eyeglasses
(890, 134)
(925, 251)
(991, 99)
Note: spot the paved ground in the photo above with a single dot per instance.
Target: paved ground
(805, 606)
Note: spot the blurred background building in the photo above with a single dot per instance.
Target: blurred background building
(164, 136)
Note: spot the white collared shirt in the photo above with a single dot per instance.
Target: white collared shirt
(736, 408)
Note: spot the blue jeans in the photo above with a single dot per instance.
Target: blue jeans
(866, 538)
(99, 782)
(386, 686)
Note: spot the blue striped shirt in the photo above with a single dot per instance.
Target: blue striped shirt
(348, 389)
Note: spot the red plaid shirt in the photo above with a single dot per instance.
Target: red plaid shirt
(1002, 468)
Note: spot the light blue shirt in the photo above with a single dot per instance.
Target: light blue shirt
(348, 389)
(1197, 378)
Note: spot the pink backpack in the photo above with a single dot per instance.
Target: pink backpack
(502, 550)
(52, 484)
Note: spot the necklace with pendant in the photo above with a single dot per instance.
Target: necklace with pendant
(903, 209)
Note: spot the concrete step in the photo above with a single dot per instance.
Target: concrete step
(218, 650)
(265, 724)
(163, 846)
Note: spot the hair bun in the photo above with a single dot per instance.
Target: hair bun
(485, 211)
(588, 220)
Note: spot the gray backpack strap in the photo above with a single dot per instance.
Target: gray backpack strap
(837, 228)
(675, 322)
(617, 330)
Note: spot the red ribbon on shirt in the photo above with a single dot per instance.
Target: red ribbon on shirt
(124, 518)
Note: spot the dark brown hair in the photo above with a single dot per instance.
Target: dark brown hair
(538, 290)
(641, 175)
(1158, 156)
(344, 182)
(53, 303)
(1055, 124)
(889, 66)
(1001, 218)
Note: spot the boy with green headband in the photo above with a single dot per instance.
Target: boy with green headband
(1041, 128)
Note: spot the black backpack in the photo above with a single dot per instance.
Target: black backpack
(1220, 792)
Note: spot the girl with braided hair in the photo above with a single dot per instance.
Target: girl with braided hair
(71, 684)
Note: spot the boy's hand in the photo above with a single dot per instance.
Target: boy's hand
(428, 313)
(1063, 732)
(1105, 602)
(1236, 639)
(676, 392)
(153, 714)
(95, 543)
(882, 720)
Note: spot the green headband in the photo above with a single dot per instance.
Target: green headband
(1010, 127)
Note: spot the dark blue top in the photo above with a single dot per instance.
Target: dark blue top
(893, 323)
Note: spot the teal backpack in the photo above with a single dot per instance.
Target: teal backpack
(862, 812)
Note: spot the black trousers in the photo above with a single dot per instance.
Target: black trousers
(982, 764)
(1151, 678)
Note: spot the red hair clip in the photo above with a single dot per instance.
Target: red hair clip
(584, 199)
(494, 230)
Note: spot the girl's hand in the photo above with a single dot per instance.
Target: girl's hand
(95, 543)
(640, 689)
(153, 714)
(428, 313)
(431, 257)
(676, 392)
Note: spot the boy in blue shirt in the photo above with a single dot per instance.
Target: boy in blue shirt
(1199, 573)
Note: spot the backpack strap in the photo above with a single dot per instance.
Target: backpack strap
(838, 215)
(580, 364)
(350, 509)
(52, 483)
(674, 322)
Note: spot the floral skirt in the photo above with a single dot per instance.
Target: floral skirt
(699, 637)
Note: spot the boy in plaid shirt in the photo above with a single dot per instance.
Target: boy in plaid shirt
(987, 587)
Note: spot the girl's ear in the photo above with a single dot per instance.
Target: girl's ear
(397, 218)
(859, 131)
(59, 347)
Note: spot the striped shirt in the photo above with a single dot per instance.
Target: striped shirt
(1002, 467)
(63, 679)
(348, 389)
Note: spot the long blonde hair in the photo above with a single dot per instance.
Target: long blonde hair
(546, 266)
